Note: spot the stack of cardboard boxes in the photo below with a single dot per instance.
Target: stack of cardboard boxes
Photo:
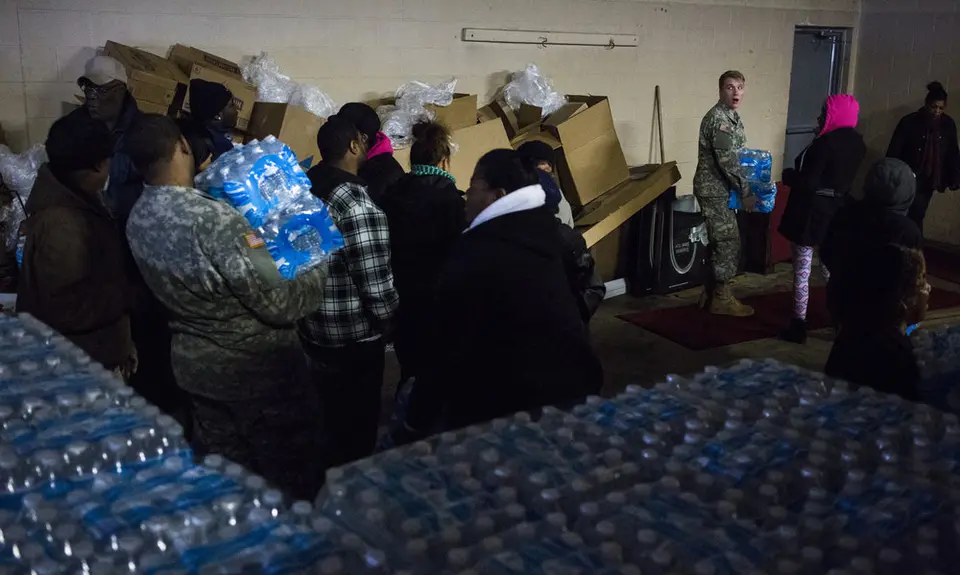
(592, 169)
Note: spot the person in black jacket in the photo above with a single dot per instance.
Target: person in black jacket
(381, 170)
(927, 141)
(425, 211)
(213, 114)
(819, 186)
(890, 292)
(880, 218)
(585, 283)
(507, 335)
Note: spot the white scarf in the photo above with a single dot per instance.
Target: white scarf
(519, 200)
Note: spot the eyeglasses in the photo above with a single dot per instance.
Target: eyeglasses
(94, 92)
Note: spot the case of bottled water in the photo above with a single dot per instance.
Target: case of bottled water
(758, 166)
(938, 356)
(263, 181)
(757, 468)
(94, 480)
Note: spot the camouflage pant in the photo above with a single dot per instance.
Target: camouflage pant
(724, 235)
(277, 437)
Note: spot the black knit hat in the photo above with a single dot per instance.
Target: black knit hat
(363, 117)
(78, 142)
(207, 99)
(538, 151)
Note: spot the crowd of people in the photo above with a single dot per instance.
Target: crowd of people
(486, 291)
(484, 287)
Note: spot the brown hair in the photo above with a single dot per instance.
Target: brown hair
(431, 144)
(731, 75)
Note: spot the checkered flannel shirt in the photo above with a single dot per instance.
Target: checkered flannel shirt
(359, 298)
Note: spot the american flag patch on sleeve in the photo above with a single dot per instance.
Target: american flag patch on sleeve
(253, 240)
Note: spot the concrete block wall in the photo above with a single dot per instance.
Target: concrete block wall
(904, 44)
(366, 48)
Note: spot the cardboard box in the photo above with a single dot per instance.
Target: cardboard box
(509, 118)
(473, 143)
(151, 108)
(528, 115)
(153, 81)
(565, 112)
(292, 125)
(185, 57)
(244, 95)
(592, 161)
(461, 113)
(485, 114)
(611, 210)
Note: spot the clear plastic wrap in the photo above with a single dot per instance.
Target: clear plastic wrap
(18, 171)
(263, 181)
(529, 86)
(273, 86)
(301, 235)
(412, 99)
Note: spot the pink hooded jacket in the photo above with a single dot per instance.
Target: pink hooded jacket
(843, 111)
(382, 145)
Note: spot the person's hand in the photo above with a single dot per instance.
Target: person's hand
(749, 204)
(130, 365)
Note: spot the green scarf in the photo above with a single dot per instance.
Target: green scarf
(425, 170)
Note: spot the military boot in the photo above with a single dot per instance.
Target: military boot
(724, 303)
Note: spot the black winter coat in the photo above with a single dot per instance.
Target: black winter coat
(426, 217)
(819, 185)
(855, 230)
(73, 278)
(909, 139)
(508, 336)
(586, 285)
(879, 358)
(380, 172)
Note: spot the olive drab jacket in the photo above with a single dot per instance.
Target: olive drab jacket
(718, 164)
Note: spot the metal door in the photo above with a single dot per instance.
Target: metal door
(816, 72)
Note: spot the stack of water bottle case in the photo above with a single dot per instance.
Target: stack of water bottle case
(759, 468)
(938, 357)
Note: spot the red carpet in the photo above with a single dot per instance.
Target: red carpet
(698, 330)
(943, 264)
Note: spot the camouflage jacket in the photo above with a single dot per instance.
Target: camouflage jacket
(232, 314)
(718, 164)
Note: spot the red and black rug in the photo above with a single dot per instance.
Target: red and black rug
(697, 330)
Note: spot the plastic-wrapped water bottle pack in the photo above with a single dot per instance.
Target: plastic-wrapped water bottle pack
(94, 480)
(758, 468)
(758, 165)
(938, 356)
(264, 182)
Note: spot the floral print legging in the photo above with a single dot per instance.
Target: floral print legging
(802, 266)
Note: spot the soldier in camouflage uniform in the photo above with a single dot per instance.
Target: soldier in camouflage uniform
(718, 172)
(235, 346)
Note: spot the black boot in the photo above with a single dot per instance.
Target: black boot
(796, 332)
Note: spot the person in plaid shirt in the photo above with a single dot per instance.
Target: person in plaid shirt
(344, 340)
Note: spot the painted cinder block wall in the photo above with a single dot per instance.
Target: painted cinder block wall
(903, 45)
(364, 48)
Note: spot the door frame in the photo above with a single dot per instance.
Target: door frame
(840, 68)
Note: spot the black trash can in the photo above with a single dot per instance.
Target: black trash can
(667, 257)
